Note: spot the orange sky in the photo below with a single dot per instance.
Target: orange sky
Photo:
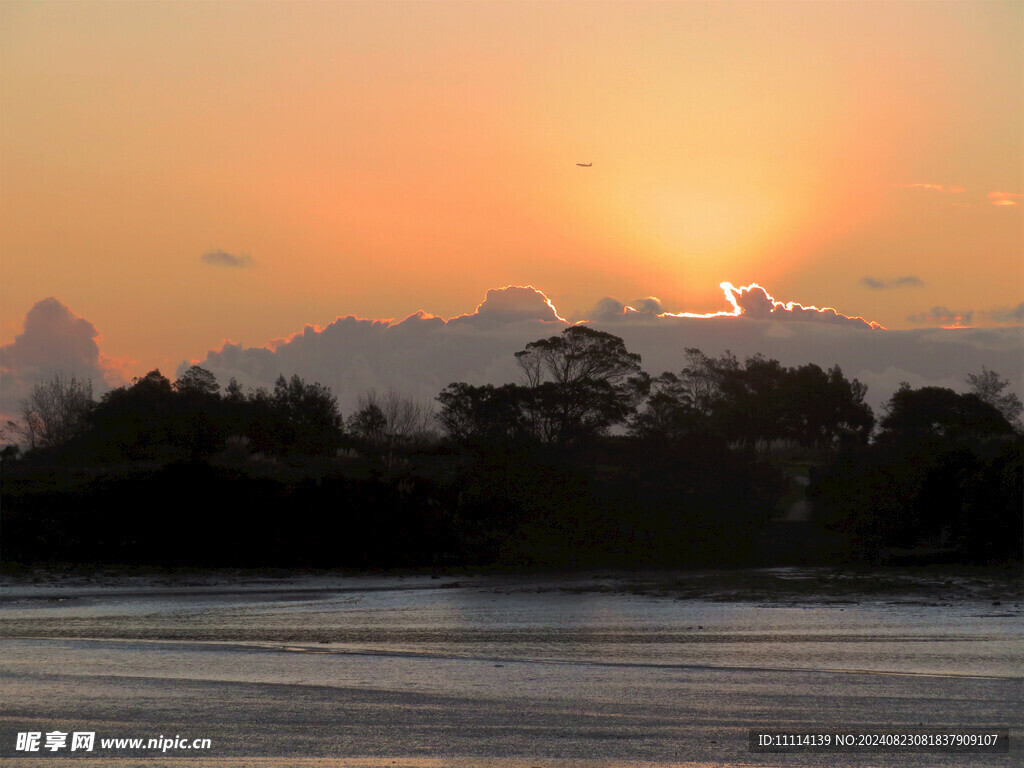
(378, 158)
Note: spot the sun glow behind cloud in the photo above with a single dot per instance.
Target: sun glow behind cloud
(375, 157)
(754, 301)
(422, 353)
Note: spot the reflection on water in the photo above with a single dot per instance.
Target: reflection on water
(585, 671)
(608, 619)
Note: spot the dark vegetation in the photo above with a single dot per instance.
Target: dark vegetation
(587, 462)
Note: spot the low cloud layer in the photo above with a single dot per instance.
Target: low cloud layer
(942, 316)
(423, 353)
(1009, 315)
(53, 340)
(945, 317)
(219, 258)
(753, 301)
(907, 281)
(750, 301)
(610, 310)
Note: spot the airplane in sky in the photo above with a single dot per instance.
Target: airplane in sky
(584, 165)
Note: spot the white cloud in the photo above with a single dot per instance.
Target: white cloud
(422, 354)
(53, 340)
(906, 281)
(512, 304)
(418, 356)
(609, 309)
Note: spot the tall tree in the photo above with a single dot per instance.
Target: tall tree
(486, 415)
(584, 381)
(368, 425)
(55, 411)
(703, 379)
(822, 408)
(669, 411)
(759, 401)
(197, 380)
(989, 386)
(937, 412)
(202, 418)
(310, 413)
(137, 421)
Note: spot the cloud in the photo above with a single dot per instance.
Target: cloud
(943, 316)
(610, 310)
(1004, 198)
(53, 340)
(943, 188)
(754, 302)
(649, 306)
(907, 281)
(219, 258)
(932, 356)
(750, 301)
(512, 304)
(419, 356)
(962, 318)
(994, 198)
(422, 353)
(1009, 315)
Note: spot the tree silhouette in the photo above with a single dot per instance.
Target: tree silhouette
(751, 402)
(485, 415)
(759, 401)
(368, 425)
(55, 411)
(703, 379)
(201, 418)
(989, 385)
(822, 409)
(939, 413)
(197, 380)
(233, 391)
(309, 416)
(137, 421)
(392, 419)
(669, 412)
(583, 381)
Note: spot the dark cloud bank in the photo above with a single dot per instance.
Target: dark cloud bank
(219, 258)
(907, 281)
(422, 354)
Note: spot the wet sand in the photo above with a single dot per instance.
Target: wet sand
(507, 671)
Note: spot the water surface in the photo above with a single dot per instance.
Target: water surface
(607, 669)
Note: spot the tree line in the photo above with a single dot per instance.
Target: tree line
(587, 460)
(575, 388)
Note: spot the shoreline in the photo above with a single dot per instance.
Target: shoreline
(1001, 586)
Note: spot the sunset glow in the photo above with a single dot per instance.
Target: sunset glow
(456, 382)
(769, 306)
(183, 173)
